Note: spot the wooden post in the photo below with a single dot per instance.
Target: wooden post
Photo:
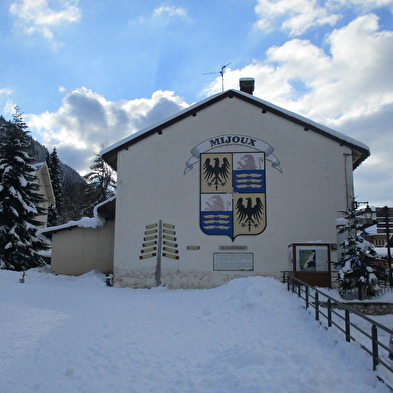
(159, 248)
(386, 212)
(374, 338)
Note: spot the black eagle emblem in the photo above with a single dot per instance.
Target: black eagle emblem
(249, 215)
(216, 175)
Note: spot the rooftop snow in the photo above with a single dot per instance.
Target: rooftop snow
(353, 143)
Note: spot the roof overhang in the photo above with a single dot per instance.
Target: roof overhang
(104, 211)
(359, 150)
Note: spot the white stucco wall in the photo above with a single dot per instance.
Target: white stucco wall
(45, 189)
(79, 250)
(302, 202)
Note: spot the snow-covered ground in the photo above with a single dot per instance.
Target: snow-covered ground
(75, 334)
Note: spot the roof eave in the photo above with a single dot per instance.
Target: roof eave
(110, 154)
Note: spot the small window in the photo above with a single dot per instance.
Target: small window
(379, 242)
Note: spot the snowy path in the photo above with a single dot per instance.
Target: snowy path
(68, 334)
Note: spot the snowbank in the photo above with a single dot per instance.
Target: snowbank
(74, 334)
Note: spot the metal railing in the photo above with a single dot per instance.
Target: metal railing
(353, 294)
(342, 317)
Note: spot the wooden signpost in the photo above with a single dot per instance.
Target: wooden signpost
(385, 225)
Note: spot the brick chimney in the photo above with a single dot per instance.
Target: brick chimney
(247, 85)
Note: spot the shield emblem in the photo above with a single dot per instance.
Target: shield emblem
(233, 194)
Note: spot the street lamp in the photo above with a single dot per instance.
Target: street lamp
(368, 213)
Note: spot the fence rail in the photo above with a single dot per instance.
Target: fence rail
(353, 294)
(341, 316)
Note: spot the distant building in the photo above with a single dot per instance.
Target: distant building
(378, 240)
(46, 190)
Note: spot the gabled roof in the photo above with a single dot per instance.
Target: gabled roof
(42, 168)
(359, 150)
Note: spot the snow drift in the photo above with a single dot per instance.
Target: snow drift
(75, 334)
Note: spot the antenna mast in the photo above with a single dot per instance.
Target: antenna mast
(221, 73)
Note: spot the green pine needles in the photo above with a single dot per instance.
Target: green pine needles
(19, 200)
(360, 265)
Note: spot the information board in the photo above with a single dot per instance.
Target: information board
(309, 257)
(233, 261)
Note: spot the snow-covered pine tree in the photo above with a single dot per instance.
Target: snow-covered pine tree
(102, 183)
(56, 178)
(358, 262)
(19, 200)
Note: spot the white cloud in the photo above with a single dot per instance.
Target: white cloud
(5, 91)
(161, 17)
(374, 178)
(35, 16)
(294, 16)
(5, 101)
(85, 120)
(352, 80)
(170, 10)
(9, 108)
(365, 5)
(348, 86)
(297, 16)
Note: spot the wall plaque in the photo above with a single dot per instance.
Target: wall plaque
(233, 261)
(193, 247)
(232, 247)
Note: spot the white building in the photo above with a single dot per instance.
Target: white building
(221, 189)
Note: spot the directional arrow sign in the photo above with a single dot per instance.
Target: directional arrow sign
(381, 212)
(383, 225)
(390, 217)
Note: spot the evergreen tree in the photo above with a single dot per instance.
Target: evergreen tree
(358, 262)
(19, 200)
(73, 186)
(101, 184)
(74, 201)
(56, 177)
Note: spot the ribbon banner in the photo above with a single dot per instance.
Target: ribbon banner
(228, 140)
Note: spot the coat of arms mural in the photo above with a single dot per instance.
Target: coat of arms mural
(233, 186)
(233, 194)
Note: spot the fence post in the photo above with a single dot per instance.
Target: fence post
(391, 347)
(374, 335)
(347, 326)
(329, 306)
(307, 297)
(316, 306)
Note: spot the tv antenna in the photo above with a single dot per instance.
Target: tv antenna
(221, 73)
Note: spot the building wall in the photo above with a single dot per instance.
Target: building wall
(80, 250)
(302, 202)
(42, 178)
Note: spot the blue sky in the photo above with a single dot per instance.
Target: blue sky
(90, 72)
